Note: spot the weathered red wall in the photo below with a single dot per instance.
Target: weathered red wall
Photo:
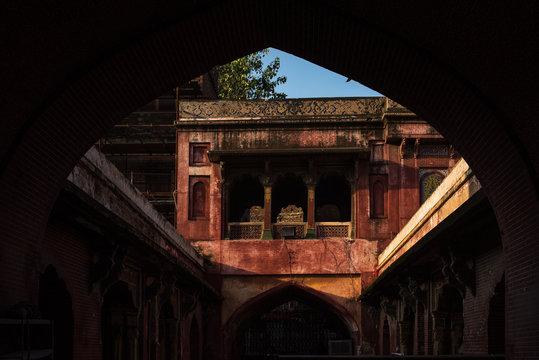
(320, 256)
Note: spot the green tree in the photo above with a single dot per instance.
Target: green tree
(247, 78)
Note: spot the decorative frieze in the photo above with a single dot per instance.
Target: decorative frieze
(364, 107)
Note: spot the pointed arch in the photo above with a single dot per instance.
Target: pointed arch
(276, 296)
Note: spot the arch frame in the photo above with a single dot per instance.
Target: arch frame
(77, 98)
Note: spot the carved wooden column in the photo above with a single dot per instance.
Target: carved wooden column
(224, 201)
(352, 176)
(267, 213)
(309, 179)
(310, 212)
(267, 183)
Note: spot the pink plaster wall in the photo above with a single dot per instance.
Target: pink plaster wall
(278, 257)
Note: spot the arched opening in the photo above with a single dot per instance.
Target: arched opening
(194, 340)
(496, 320)
(245, 192)
(290, 319)
(119, 323)
(289, 189)
(333, 199)
(448, 323)
(55, 304)
(385, 338)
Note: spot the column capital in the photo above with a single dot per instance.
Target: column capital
(309, 179)
(266, 180)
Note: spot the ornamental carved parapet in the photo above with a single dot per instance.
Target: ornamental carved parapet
(290, 214)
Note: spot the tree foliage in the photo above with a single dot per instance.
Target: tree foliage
(247, 78)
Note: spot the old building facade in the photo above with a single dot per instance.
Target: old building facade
(299, 196)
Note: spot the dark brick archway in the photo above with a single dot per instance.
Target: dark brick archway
(70, 71)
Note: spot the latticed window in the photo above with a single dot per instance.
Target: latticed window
(429, 183)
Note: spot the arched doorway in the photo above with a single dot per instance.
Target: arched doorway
(55, 304)
(290, 319)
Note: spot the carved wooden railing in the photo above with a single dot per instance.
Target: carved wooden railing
(245, 230)
(325, 230)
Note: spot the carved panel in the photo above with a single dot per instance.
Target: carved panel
(280, 108)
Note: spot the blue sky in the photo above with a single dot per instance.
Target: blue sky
(305, 79)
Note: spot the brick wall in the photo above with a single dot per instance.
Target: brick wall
(489, 270)
(66, 248)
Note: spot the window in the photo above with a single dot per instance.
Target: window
(429, 182)
(198, 154)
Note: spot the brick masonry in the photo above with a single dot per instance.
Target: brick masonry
(105, 67)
